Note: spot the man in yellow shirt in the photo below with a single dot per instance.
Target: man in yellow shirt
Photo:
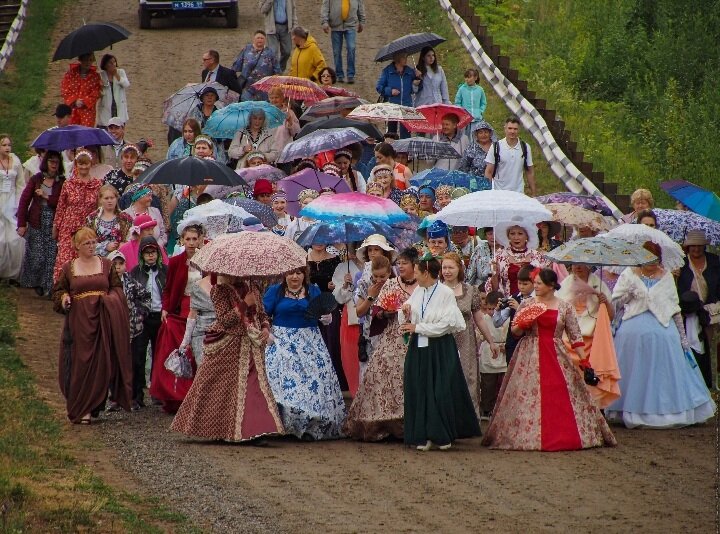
(345, 18)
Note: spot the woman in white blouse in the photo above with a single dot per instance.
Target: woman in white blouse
(113, 102)
(661, 383)
(438, 407)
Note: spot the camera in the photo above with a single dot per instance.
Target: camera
(504, 302)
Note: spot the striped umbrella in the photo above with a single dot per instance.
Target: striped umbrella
(339, 91)
(423, 148)
(292, 87)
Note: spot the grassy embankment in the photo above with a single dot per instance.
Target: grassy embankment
(43, 487)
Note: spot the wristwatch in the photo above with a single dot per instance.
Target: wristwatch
(370, 299)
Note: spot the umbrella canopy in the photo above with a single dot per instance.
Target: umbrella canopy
(309, 179)
(250, 255)
(190, 170)
(177, 106)
(404, 234)
(673, 256)
(601, 250)
(214, 216)
(262, 211)
(424, 148)
(61, 138)
(225, 122)
(487, 208)
(292, 87)
(341, 230)
(573, 215)
(385, 111)
(677, 223)
(338, 91)
(339, 122)
(264, 171)
(355, 205)
(89, 38)
(320, 141)
(434, 114)
(408, 44)
(332, 106)
(699, 200)
(589, 202)
(437, 177)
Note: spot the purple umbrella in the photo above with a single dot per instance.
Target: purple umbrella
(589, 202)
(62, 138)
(268, 172)
(309, 179)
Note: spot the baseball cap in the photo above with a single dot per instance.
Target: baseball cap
(116, 254)
(62, 110)
(116, 121)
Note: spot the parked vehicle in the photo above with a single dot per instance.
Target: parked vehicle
(155, 9)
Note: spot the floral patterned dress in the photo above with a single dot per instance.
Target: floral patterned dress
(75, 86)
(77, 201)
(469, 302)
(509, 263)
(115, 230)
(543, 404)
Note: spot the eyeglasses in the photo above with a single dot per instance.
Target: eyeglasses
(206, 58)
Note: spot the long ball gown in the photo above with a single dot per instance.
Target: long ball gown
(12, 246)
(230, 398)
(543, 403)
(95, 350)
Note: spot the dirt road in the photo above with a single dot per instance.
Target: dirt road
(653, 481)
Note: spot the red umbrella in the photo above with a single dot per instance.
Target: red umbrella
(434, 114)
(338, 91)
(292, 87)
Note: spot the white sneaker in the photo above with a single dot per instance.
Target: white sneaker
(425, 447)
(445, 447)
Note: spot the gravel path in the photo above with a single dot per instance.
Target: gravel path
(654, 481)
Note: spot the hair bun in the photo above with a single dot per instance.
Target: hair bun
(557, 286)
(411, 252)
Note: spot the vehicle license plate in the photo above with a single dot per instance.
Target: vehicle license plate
(188, 4)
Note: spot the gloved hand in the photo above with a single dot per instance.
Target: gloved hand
(326, 319)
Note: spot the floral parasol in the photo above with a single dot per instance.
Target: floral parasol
(673, 256)
(385, 111)
(392, 300)
(677, 223)
(250, 255)
(573, 215)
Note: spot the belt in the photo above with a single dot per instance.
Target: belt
(86, 294)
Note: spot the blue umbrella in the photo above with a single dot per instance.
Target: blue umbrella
(61, 138)
(699, 200)
(437, 177)
(341, 230)
(225, 122)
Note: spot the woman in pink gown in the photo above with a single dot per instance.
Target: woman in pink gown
(543, 403)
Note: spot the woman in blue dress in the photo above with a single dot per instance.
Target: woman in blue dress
(298, 364)
(661, 383)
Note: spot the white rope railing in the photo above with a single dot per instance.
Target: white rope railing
(13, 33)
(530, 117)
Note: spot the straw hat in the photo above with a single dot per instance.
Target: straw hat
(378, 241)
(695, 237)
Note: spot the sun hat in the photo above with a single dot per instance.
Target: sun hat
(376, 240)
(501, 231)
(695, 237)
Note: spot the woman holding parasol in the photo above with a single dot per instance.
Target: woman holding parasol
(543, 403)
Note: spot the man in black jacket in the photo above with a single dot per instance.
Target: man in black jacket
(214, 72)
(150, 273)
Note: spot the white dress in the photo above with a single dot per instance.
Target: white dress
(12, 246)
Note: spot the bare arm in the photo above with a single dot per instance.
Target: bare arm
(530, 176)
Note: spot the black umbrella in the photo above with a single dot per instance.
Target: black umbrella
(409, 44)
(190, 170)
(89, 38)
(340, 122)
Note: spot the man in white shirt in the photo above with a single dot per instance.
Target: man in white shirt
(509, 159)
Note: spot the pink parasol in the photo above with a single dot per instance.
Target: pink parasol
(250, 255)
(264, 171)
(338, 91)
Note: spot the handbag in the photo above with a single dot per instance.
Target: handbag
(179, 364)
(242, 79)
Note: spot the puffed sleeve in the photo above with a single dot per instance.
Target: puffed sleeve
(271, 298)
(572, 328)
(226, 315)
(445, 319)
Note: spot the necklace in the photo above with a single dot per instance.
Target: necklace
(408, 282)
(294, 294)
(516, 251)
(452, 287)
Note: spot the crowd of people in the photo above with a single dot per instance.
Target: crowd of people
(424, 341)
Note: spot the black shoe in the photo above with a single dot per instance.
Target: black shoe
(351, 81)
(39, 291)
(135, 406)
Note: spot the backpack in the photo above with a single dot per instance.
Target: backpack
(496, 150)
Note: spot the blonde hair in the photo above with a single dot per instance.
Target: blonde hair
(82, 234)
(642, 194)
(452, 256)
(108, 188)
(5, 136)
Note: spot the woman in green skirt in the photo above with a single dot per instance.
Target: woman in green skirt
(438, 407)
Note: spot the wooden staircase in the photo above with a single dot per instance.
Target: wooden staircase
(8, 12)
(556, 126)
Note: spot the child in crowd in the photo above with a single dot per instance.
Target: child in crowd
(506, 307)
(138, 302)
(471, 96)
(150, 273)
(492, 367)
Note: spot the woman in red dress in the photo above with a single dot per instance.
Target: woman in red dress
(543, 403)
(80, 89)
(78, 199)
(164, 386)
